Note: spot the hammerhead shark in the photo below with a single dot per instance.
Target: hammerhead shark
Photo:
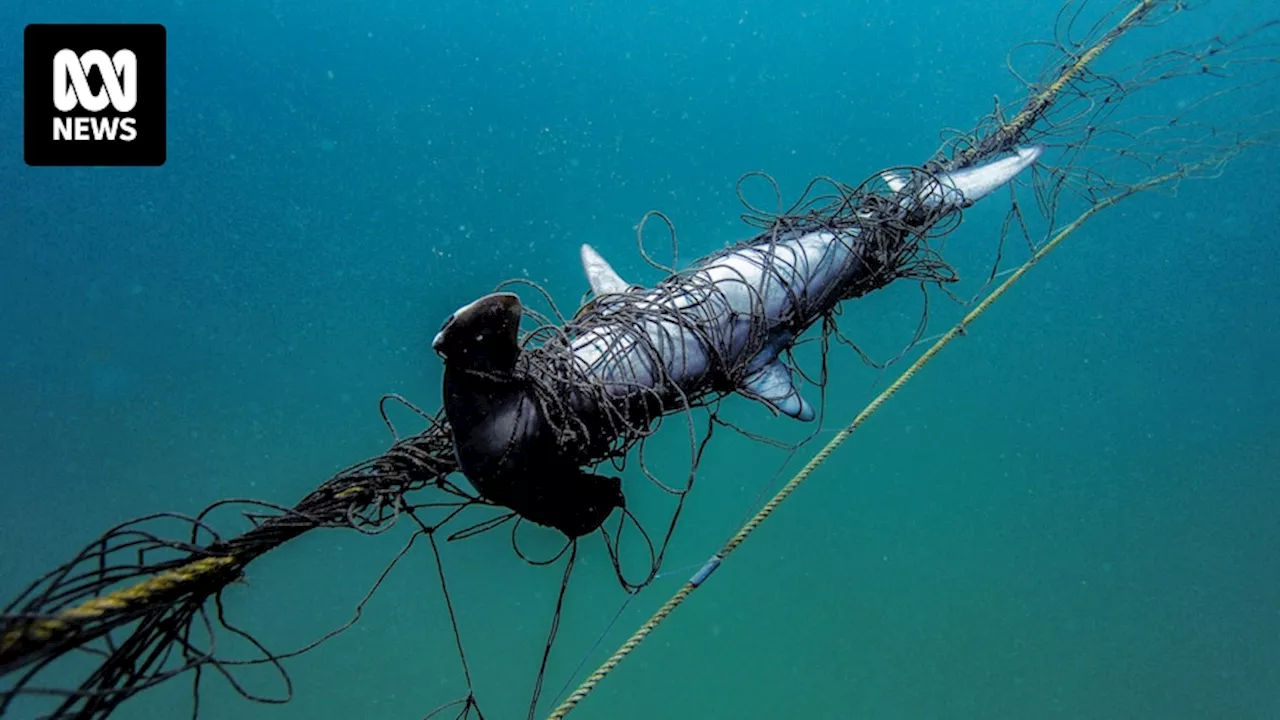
(634, 353)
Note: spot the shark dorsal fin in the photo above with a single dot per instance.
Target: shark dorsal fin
(603, 278)
(895, 180)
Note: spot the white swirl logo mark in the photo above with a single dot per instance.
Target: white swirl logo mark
(119, 80)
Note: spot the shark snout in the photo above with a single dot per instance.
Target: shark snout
(482, 334)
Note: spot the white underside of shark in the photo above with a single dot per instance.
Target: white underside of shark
(752, 300)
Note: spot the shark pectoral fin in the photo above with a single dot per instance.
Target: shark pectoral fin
(603, 278)
(772, 385)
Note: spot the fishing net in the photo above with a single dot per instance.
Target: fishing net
(143, 603)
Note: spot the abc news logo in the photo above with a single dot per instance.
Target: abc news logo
(95, 95)
(71, 90)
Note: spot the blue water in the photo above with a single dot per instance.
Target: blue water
(1071, 513)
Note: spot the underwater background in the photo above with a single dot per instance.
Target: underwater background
(1070, 513)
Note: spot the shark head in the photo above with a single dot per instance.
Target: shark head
(483, 335)
(503, 444)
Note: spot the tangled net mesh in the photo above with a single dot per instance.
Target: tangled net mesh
(143, 604)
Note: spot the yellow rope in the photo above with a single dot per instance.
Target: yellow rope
(44, 629)
(667, 608)
(1035, 108)
(1017, 126)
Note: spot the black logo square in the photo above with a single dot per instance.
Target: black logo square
(94, 95)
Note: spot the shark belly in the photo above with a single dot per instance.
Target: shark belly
(735, 314)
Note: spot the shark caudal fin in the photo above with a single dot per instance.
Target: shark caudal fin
(962, 188)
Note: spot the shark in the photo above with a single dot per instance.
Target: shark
(529, 424)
